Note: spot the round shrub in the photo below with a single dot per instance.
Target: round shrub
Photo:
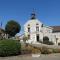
(9, 47)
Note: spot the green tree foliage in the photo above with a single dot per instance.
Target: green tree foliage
(12, 28)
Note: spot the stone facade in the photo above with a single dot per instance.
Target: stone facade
(36, 31)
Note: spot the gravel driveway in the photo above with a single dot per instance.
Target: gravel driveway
(29, 57)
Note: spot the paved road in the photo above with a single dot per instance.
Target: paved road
(29, 57)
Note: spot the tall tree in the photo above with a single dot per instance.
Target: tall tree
(12, 28)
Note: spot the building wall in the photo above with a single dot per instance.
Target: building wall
(57, 36)
(43, 31)
(32, 26)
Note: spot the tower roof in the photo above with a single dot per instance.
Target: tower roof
(33, 15)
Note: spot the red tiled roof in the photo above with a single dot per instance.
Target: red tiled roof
(56, 28)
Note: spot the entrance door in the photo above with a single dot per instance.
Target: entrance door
(37, 37)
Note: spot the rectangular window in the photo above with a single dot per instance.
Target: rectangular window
(28, 29)
(37, 28)
(28, 36)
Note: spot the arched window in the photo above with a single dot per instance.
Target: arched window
(28, 29)
(37, 28)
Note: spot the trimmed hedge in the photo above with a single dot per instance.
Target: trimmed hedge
(9, 47)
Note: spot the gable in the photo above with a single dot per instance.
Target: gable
(33, 22)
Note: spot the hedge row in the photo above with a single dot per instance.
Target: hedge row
(9, 47)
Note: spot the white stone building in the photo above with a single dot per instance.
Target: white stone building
(36, 31)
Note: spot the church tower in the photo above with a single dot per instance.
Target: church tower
(32, 28)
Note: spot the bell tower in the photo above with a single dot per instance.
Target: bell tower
(33, 15)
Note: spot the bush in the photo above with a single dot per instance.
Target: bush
(56, 50)
(36, 51)
(45, 50)
(26, 49)
(50, 43)
(9, 47)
